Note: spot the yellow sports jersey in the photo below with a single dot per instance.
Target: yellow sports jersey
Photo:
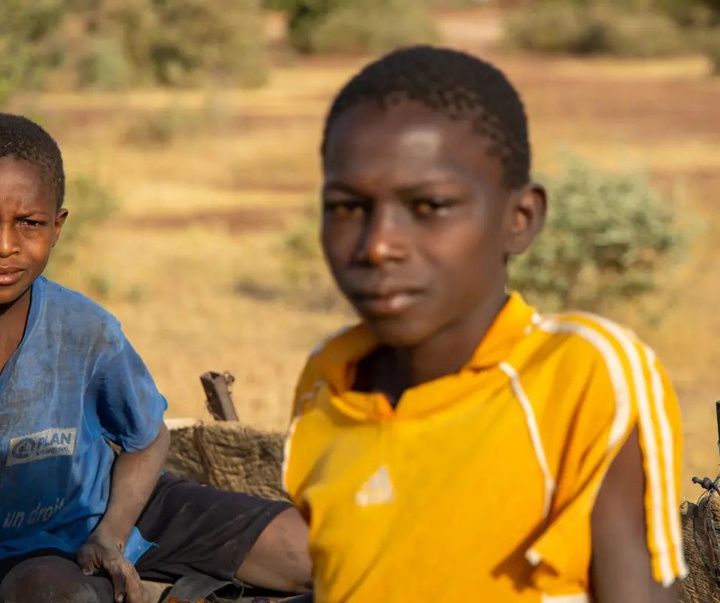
(480, 485)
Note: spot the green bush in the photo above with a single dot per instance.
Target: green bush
(113, 44)
(692, 13)
(553, 28)
(303, 17)
(644, 35)
(89, 204)
(29, 46)
(278, 4)
(158, 129)
(607, 238)
(307, 280)
(155, 130)
(710, 46)
(350, 26)
(454, 4)
(289, 5)
(99, 287)
(135, 24)
(591, 28)
(187, 42)
(104, 66)
(220, 40)
(713, 53)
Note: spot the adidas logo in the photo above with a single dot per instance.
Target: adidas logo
(378, 490)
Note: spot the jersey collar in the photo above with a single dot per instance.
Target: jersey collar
(340, 356)
(511, 324)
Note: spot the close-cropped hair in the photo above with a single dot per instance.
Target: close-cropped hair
(455, 84)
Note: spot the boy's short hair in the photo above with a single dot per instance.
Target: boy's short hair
(25, 140)
(455, 84)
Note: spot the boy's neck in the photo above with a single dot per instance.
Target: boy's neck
(13, 320)
(393, 370)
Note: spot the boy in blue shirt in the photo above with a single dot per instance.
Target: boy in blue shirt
(79, 522)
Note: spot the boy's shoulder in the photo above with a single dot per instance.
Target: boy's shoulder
(330, 357)
(579, 343)
(62, 299)
(587, 340)
(582, 334)
(79, 317)
(587, 328)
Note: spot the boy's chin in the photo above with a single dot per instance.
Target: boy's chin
(11, 295)
(396, 332)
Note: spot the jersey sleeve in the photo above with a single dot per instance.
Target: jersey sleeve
(306, 388)
(129, 407)
(629, 391)
(303, 398)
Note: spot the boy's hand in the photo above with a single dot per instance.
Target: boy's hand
(133, 479)
(102, 555)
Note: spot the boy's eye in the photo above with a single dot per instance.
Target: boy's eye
(430, 206)
(31, 223)
(344, 209)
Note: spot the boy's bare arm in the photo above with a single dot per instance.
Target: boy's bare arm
(621, 567)
(135, 475)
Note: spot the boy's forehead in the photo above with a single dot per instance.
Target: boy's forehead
(11, 163)
(20, 174)
(407, 137)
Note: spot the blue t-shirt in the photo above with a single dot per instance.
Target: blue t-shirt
(74, 383)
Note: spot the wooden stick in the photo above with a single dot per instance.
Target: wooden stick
(218, 397)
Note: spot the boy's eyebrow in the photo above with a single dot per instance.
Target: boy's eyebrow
(417, 187)
(32, 212)
(342, 187)
(406, 189)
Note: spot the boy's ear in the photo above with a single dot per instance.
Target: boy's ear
(527, 208)
(60, 217)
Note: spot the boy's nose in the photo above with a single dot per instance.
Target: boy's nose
(9, 240)
(385, 239)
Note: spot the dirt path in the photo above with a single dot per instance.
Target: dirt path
(236, 220)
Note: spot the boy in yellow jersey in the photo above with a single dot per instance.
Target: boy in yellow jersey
(457, 445)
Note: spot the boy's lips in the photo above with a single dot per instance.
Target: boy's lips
(385, 303)
(10, 275)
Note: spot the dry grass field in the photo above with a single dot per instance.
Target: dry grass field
(210, 209)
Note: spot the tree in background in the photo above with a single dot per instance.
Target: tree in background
(629, 28)
(692, 12)
(594, 27)
(29, 47)
(118, 43)
(182, 42)
(608, 237)
(702, 18)
(188, 41)
(91, 204)
(346, 26)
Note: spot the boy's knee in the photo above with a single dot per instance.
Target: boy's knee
(280, 556)
(48, 580)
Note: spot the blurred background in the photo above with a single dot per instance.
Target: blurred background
(190, 131)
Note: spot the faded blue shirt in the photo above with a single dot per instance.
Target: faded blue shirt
(74, 383)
